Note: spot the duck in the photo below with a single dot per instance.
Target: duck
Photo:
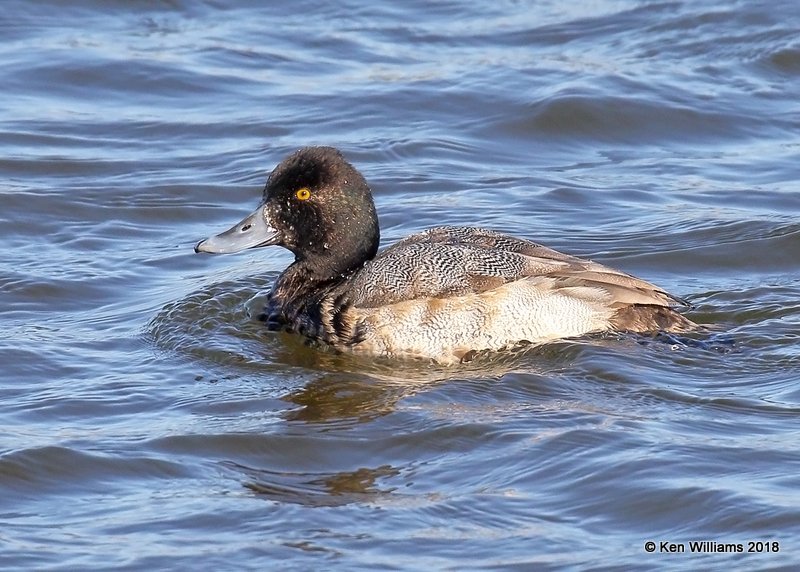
(446, 294)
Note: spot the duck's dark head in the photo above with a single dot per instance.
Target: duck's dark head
(317, 205)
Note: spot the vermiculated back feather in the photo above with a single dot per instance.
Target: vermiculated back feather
(453, 261)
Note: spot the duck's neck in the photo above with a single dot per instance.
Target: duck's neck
(307, 277)
(343, 253)
(315, 273)
(326, 266)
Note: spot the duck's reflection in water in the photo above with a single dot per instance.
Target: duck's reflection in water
(317, 489)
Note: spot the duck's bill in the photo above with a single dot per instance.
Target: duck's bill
(251, 232)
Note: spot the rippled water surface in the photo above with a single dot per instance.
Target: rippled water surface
(149, 423)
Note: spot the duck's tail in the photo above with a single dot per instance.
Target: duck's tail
(651, 318)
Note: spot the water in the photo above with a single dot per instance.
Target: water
(148, 423)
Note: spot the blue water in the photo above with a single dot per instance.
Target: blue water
(149, 423)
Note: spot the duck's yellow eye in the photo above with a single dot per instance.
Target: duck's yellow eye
(303, 194)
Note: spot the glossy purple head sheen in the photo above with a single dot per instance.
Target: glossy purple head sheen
(318, 206)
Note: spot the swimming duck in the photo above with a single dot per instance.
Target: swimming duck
(444, 294)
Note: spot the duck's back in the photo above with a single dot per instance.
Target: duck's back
(449, 291)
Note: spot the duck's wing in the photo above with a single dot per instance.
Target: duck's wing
(455, 261)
